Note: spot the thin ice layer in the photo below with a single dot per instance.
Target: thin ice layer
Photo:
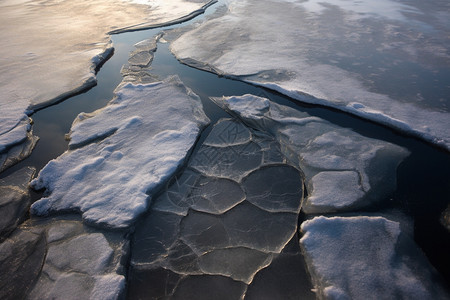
(343, 170)
(52, 48)
(386, 62)
(219, 225)
(122, 153)
(366, 258)
(138, 68)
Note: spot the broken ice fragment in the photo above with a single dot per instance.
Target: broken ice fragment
(177, 198)
(154, 236)
(366, 257)
(343, 169)
(79, 262)
(87, 253)
(138, 68)
(233, 162)
(21, 258)
(16, 143)
(14, 199)
(286, 278)
(238, 263)
(282, 190)
(227, 133)
(216, 195)
(334, 190)
(122, 153)
(243, 226)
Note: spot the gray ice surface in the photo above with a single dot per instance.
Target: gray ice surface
(62, 259)
(14, 199)
(212, 223)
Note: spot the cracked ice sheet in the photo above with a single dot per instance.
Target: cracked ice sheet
(343, 170)
(120, 153)
(366, 258)
(62, 259)
(52, 48)
(221, 222)
(386, 62)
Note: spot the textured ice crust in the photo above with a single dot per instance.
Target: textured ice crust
(366, 257)
(62, 259)
(121, 153)
(343, 170)
(229, 215)
(66, 65)
(297, 48)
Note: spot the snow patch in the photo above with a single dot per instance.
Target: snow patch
(151, 129)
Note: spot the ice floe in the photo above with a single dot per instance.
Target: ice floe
(53, 49)
(343, 170)
(222, 219)
(138, 69)
(62, 259)
(366, 257)
(122, 153)
(349, 55)
(14, 199)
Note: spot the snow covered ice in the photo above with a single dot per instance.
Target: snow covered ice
(63, 42)
(366, 257)
(386, 62)
(120, 153)
(343, 170)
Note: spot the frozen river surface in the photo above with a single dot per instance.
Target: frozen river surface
(143, 199)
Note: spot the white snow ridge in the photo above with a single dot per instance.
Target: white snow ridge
(121, 153)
